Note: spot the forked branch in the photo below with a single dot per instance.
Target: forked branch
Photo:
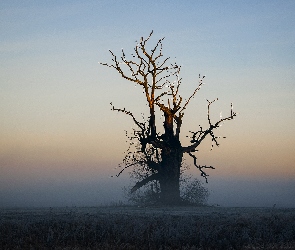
(200, 135)
(203, 173)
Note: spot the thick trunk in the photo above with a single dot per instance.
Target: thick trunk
(169, 175)
(169, 171)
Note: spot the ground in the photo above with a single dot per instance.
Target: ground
(125, 227)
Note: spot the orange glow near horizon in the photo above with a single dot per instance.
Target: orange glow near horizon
(78, 156)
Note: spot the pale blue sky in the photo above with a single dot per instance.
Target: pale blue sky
(55, 120)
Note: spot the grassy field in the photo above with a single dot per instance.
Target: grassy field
(147, 228)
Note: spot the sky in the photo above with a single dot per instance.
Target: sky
(61, 143)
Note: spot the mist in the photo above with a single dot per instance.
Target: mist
(226, 192)
(255, 192)
(104, 191)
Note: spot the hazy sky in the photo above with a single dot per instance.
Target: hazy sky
(60, 141)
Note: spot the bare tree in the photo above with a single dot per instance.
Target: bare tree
(161, 152)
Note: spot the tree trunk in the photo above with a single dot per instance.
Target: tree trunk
(169, 171)
(169, 175)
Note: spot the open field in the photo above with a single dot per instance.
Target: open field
(147, 228)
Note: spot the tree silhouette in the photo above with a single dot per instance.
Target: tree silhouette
(160, 152)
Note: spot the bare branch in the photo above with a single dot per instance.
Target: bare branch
(194, 93)
(125, 167)
(145, 181)
(178, 120)
(208, 110)
(139, 124)
(203, 173)
(203, 133)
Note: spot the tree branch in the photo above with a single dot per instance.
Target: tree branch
(203, 133)
(144, 182)
(203, 173)
(139, 124)
(194, 93)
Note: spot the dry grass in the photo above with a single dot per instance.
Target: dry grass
(147, 228)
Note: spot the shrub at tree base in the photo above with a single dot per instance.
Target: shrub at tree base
(192, 192)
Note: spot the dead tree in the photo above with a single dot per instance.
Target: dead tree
(160, 151)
